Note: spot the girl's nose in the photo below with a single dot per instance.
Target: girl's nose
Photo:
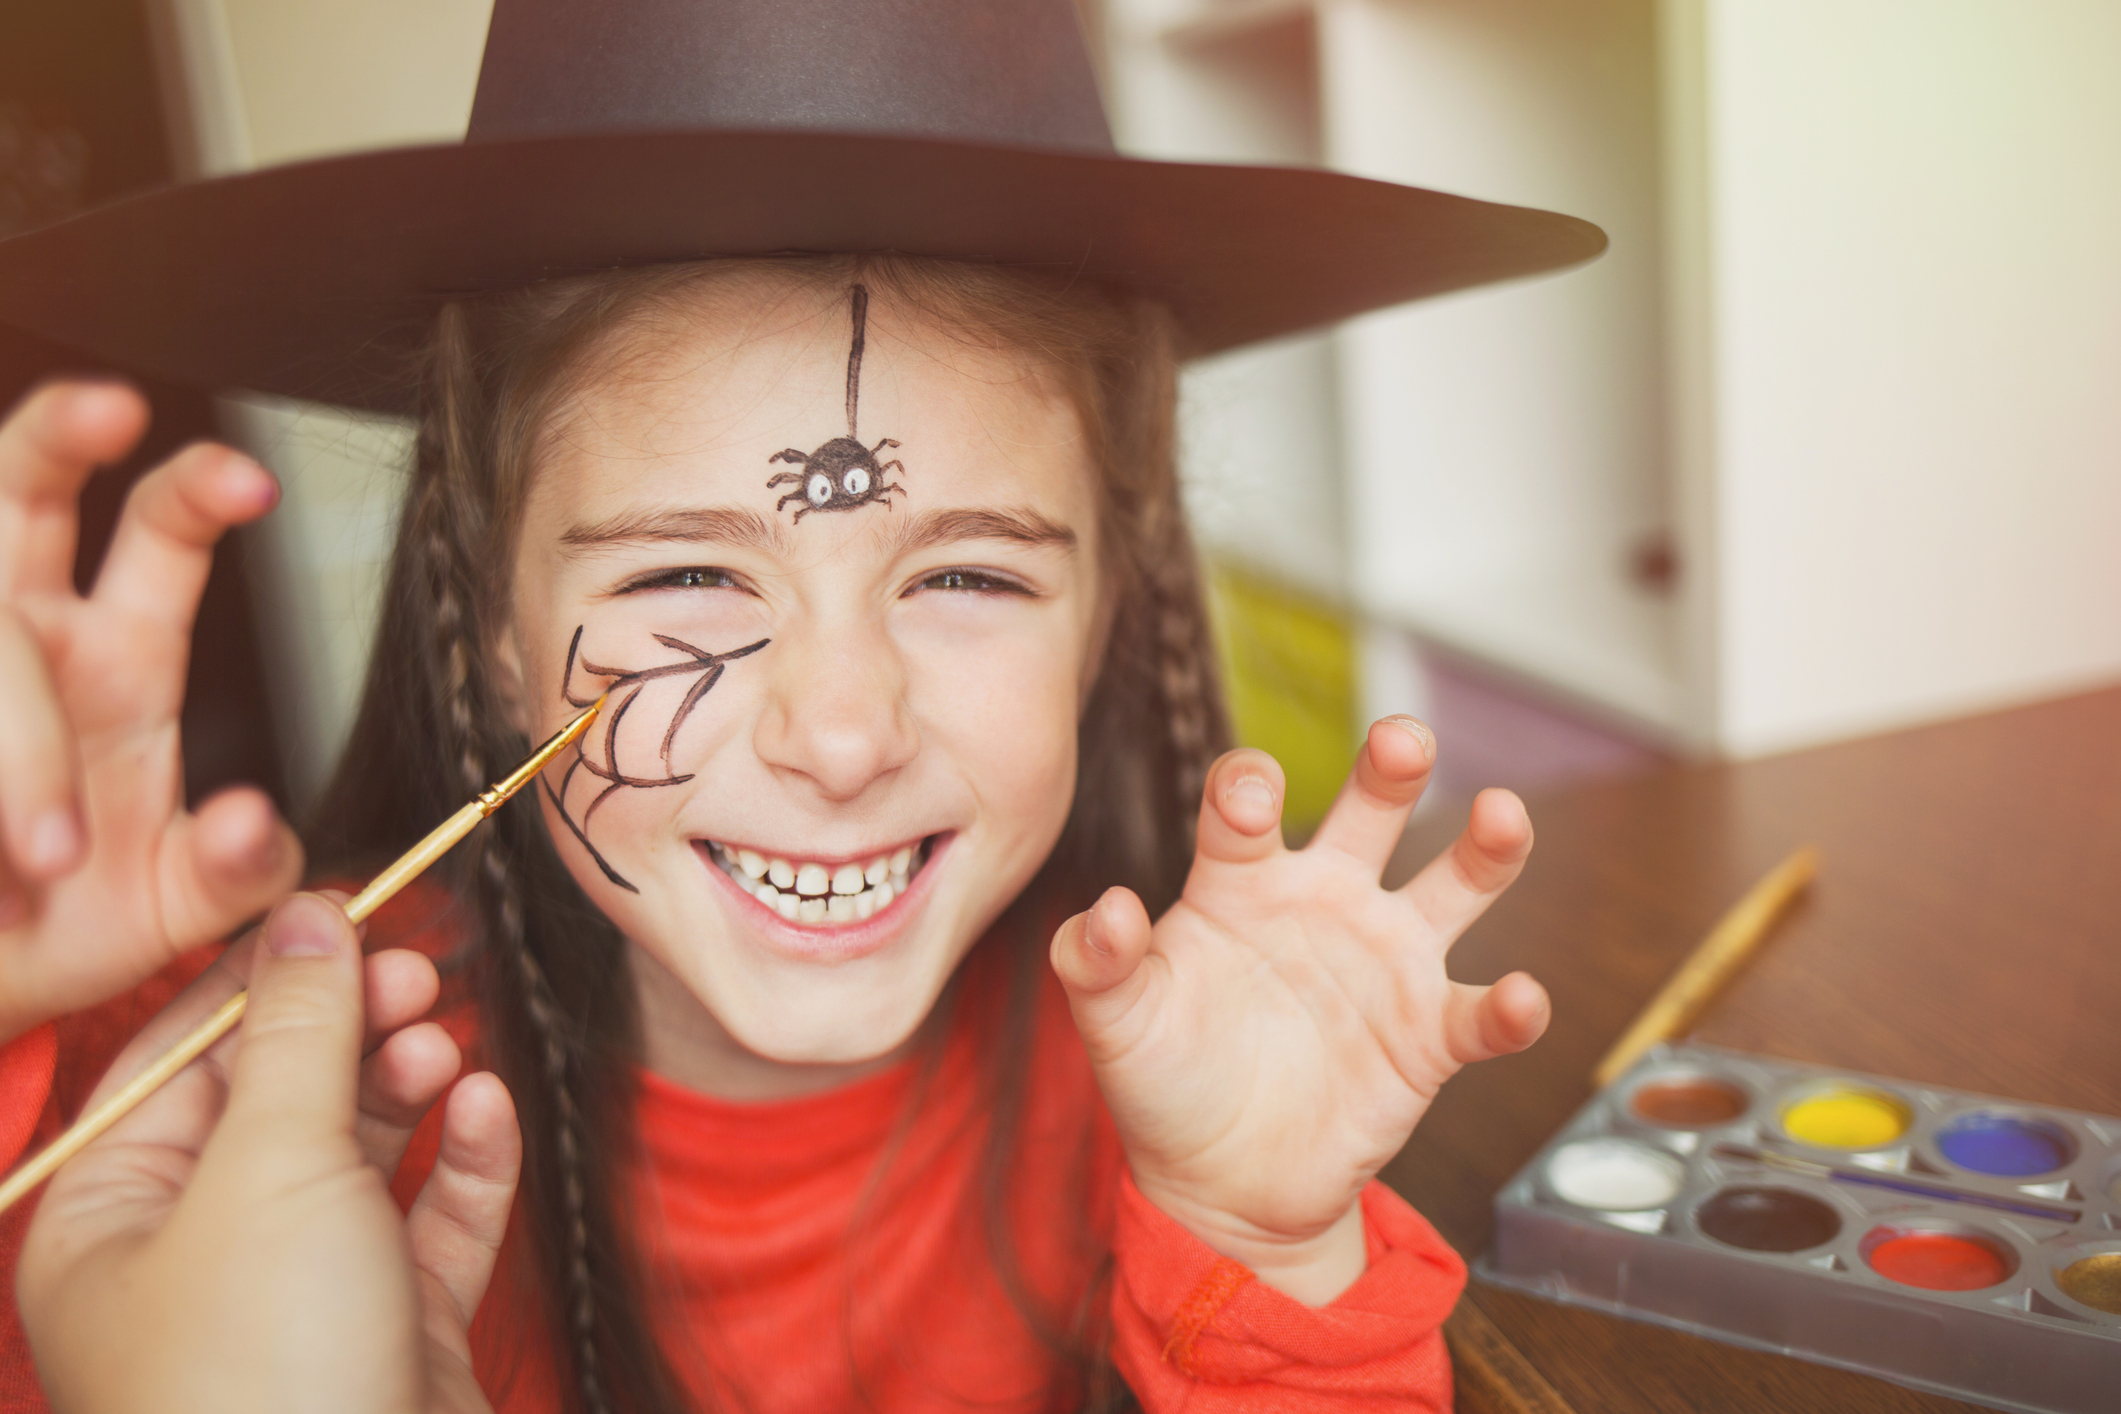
(837, 713)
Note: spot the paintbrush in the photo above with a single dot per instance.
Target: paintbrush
(1811, 1168)
(1736, 936)
(381, 889)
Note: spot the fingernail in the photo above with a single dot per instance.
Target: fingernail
(1414, 728)
(54, 840)
(303, 927)
(1249, 790)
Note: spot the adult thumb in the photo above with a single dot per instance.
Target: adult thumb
(296, 1075)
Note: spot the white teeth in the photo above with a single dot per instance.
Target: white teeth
(816, 893)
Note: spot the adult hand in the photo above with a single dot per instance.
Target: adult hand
(104, 876)
(232, 1246)
(1272, 1041)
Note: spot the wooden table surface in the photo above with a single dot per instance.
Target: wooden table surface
(1965, 930)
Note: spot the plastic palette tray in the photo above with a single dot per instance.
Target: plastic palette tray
(1956, 1243)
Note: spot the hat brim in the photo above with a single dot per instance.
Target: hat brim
(316, 280)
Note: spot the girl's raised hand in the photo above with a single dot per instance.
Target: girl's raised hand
(1271, 1042)
(104, 876)
(232, 1244)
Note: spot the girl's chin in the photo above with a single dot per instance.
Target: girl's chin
(826, 928)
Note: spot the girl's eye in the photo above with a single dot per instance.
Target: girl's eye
(691, 577)
(971, 581)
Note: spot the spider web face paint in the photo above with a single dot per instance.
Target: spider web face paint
(706, 669)
(841, 475)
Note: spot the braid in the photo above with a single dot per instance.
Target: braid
(553, 1028)
(1183, 647)
(446, 523)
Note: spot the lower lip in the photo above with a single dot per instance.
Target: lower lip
(832, 942)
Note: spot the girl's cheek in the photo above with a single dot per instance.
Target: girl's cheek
(1010, 706)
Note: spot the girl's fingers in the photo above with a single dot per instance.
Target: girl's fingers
(1240, 810)
(1370, 813)
(1481, 1023)
(1098, 957)
(457, 1222)
(38, 806)
(49, 445)
(230, 861)
(400, 1081)
(1457, 886)
(163, 548)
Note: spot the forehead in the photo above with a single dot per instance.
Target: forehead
(686, 405)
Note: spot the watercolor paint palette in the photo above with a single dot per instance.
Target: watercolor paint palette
(1957, 1243)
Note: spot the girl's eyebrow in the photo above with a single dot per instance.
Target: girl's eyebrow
(1025, 527)
(720, 525)
(723, 525)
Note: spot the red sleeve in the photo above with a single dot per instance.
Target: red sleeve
(1195, 1331)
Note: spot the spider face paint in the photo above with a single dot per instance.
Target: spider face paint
(843, 474)
(626, 685)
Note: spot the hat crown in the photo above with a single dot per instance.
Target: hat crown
(992, 71)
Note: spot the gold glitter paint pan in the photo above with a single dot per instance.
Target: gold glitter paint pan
(407, 867)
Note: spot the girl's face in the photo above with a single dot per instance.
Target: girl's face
(899, 757)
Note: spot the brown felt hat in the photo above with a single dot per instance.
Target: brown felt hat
(625, 132)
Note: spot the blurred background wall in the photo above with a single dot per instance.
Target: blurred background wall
(1824, 445)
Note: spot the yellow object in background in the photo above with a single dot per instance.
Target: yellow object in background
(1288, 666)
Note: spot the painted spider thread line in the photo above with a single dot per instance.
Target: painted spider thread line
(709, 666)
(834, 465)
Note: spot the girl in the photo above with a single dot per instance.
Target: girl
(850, 1065)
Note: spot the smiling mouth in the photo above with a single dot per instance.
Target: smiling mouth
(804, 891)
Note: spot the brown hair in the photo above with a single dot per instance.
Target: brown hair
(557, 1006)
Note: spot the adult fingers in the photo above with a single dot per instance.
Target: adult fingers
(457, 1223)
(1240, 810)
(163, 547)
(1457, 886)
(231, 860)
(1480, 1023)
(1370, 813)
(400, 1081)
(293, 1086)
(399, 987)
(49, 446)
(38, 802)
